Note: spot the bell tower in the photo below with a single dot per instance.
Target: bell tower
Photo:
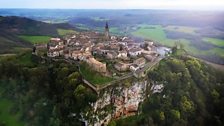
(107, 35)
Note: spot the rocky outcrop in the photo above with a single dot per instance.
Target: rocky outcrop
(119, 101)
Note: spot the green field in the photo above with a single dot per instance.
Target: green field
(36, 39)
(63, 32)
(184, 29)
(157, 34)
(92, 76)
(214, 41)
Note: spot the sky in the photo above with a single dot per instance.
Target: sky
(115, 4)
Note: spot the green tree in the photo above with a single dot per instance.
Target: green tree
(186, 104)
(175, 114)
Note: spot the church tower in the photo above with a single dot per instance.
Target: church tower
(107, 35)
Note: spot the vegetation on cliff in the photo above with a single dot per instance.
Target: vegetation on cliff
(192, 95)
(41, 94)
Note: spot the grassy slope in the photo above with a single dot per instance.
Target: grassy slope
(154, 32)
(92, 76)
(214, 41)
(63, 32)
(36, 39)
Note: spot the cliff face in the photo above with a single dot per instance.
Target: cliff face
(118, 101)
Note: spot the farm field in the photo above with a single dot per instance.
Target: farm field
(36, 39)
(184, 29)
(158, 34)
(63, 32)
(214, 41)
(153, 32)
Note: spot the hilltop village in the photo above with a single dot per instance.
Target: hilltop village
(116, 57)
(108, 55)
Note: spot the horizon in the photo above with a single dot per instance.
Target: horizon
(112, 9)
(116, 4)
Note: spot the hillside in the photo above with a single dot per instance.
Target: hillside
(38, 94)
(192, 96)
(11, 27)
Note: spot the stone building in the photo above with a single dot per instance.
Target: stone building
(121, 66)
(96, 65)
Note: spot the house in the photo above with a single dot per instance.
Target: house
(75, 54)
(134, 67)
(55, 39)
(54, 52)
(157, 88)
(113, 38)
(79, 55)
(121, 66)
(114, 46)
(150, 58)
(133, 52)
(149, 43)
(123, 43)
(96, 65)
(140, 62)
(122, 54)
(111, 55)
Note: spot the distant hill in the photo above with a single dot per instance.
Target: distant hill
(11, 27)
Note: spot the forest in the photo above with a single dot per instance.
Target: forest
(42, 94)
(193, 95)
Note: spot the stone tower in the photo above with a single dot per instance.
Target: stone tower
(107, 35)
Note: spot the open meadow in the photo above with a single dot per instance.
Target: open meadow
(192, 41)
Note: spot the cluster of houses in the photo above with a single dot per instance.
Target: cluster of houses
(125, 52)
(92, 47)
(77, 47)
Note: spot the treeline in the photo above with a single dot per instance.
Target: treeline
(49, 94)
(193, 95)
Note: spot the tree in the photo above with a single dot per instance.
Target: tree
(175, 114)
(112, 123)
(186, 104)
